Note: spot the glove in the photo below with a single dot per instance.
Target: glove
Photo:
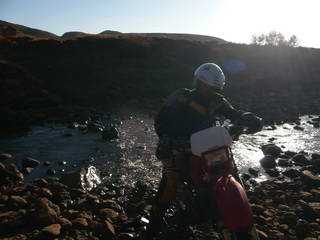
(251, 121)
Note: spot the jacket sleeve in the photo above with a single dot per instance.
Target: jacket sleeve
(225, 108)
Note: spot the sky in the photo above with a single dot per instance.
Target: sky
(232, 20)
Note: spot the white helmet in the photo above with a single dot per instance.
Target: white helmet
(211, 75)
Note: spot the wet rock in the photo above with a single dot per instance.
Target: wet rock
(10, 172)
(315, 206)
(12, 220)
(47, 163)
(65, 223)
(254, 171)
(5, 157)
(62, 163)
(315, 156)
(302, 228)
(271, 149)
(299, 128)
(46, 212)
(125, 236)
(284, 208)
(316, 163)
(300, 160)
(51, 172)
(27, 170)
(41, 182)
(306, 196)
(18, 202)
(110, 133)
(80, 223)
(273, 172)
(245, 176)
(16, 237)
(284, 227)
(108, 213)
(310, 179)
(292, 173)
(257, 209)
(289, 218)
(268, 161)
(30, 162)
(262, 235)
(52, 230)
(87, 179)
(283, 162)
(275, 234)
(108, 229)
(289, 153)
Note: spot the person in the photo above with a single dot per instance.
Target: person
(184, 113)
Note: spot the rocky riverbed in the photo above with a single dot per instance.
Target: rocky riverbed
(285, 207)
(89, 205)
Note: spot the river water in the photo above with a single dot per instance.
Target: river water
(131, 157)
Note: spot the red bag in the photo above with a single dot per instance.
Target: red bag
(233, 204)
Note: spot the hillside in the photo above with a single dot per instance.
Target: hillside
(13, 30)
(279, 83)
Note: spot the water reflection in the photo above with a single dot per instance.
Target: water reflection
(132, 158)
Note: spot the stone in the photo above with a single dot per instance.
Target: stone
(254, 172)
(306, 196)
(299, 128)
(18, 201)
(315, 206)
(30, 162)
(125, 236)
(245, 177)
(108, 213)
(271, 149)
(257, 209)
(268, 161)
(302, 228)
(283, 227)
(273, 172)
(300, 160)
(52, 230)
(47, 163)
(289, 153)
(289, 218)
(262, 235)
(27, 170)
(46, 212)
(110, 133)
(283, 162)
(80, 223)
(51, 172)
(85, 178)
(310, 179)
(16, 237)
(65, 223)
(5, 157)
(292, 173)
(108, 229)
(315, 156)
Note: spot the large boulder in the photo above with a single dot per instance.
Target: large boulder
(300, 159)
(268, 161)
(271, 149)
(85, 178)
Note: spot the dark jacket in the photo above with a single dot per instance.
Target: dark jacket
(185, 113)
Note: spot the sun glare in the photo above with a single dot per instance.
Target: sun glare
(239, 20)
